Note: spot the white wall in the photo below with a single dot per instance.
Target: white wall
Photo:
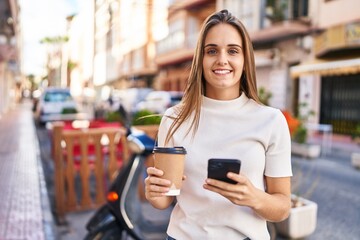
(330, 13)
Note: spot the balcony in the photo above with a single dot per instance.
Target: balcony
(187, 4)
(138, 63)
(175, 48)
(283, 20)
(338, 40)
(8, 50)
(185, 18)
(280, 10)
(280, 31)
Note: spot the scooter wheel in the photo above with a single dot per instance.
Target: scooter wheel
(109, 234)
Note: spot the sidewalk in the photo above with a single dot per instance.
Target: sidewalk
(24, 206)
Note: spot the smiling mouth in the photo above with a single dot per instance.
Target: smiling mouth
(222, 71)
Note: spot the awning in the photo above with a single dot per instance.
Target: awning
(326, 68)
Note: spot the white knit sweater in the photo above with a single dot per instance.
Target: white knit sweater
(240, 128)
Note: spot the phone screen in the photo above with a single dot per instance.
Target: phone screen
(219, 167)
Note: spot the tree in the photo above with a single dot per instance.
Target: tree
(54, 56)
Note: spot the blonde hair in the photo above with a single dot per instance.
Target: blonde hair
(191, 102)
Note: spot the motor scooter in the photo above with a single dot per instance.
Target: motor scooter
(125, 215)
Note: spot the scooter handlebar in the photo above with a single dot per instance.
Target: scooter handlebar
(140, 142)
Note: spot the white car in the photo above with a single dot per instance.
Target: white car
(159, 101)
(56, 104)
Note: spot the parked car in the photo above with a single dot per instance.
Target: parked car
(159, 101)
(129, 98)
(56, 104)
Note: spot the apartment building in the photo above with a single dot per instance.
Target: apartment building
(329, 79)
(174, 53)
(305, 51)
(275, 35)
(10, 45)
(125, 33)
(78, 53)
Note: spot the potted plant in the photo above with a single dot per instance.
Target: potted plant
(264, 95)
(356, 134)
(302, 219)
(114, 116)
(355, 156)
(299, 133)
(147, 121)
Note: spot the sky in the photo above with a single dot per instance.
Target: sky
(40, 19)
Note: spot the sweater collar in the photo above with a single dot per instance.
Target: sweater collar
(224, 104)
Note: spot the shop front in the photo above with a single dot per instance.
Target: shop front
(332, 90)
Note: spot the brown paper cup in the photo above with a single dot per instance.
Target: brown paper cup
(171, 161)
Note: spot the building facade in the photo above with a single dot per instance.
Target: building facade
(174, 53)
(302, 55)
(10, 45)
(329, 79)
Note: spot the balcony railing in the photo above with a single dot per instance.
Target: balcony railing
(176, 41)
(338, 38)
(172, 42)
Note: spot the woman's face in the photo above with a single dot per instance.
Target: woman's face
(223, 62)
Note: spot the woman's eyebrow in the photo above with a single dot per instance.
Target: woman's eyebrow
(234, 45)
(210, 45)
(229, 45)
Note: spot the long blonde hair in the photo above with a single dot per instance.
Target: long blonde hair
(195, 88)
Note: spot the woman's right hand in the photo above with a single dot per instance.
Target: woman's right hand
(155, 186)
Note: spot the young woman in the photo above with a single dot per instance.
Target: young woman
(220, 116)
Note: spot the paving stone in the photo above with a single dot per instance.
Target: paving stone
(22, 189)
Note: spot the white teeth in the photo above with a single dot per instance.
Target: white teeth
(222, 71)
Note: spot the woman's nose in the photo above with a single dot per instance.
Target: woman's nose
(222, 59)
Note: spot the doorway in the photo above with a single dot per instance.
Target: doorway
(340, 103)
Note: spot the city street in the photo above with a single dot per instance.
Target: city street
(335, 186)
(110, 61)
(329, 181)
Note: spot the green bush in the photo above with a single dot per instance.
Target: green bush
(303, 114)
(264, 95)
(69, 111)
(356, 133)
(300, 134)
(113, 117)
(146, 117)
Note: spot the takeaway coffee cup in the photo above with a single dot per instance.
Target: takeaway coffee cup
(171, 161)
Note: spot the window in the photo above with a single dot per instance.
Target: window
(279, 10)
(57, 97)
(242, 9)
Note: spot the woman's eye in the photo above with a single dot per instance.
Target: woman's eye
(211, 51)
(233, 51)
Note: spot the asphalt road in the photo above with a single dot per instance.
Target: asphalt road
(329, 181)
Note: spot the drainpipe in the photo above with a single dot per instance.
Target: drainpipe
(262, 13)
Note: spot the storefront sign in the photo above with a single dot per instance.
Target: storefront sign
(353, 33)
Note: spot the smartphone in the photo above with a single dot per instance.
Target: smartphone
(219, 167)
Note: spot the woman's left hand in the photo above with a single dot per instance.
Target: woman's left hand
(273, 205)
(242, 193)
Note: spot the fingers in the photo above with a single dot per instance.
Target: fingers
(237, 193)
(155, 186)
(237, 178)
(154, 171)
